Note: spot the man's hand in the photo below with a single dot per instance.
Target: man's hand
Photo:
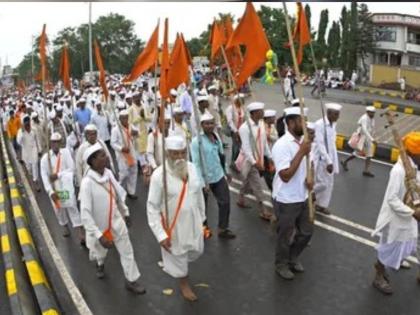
(309, 184)
(237, 137)
(330, 168)
(305, 147)
(125, 150)
(127, 220)
(105, 242)
(53, 177)
(229, 178)
(259, 167)
(416, 214)
(134, 133)
(166, 244)
(206, 189)
(55, 197)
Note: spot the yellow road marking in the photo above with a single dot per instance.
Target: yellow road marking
(1, 198)
(24, 237)
(395, 153)
(2, 216)
(14, 193)
(36, 274)
(11, 282)
(18, 211)
(50, 312)
(12, 180)
(408, 110)
(5, 244)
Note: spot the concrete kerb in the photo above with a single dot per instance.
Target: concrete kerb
(383, 152)
(70, 297)
(375, 91)
(394, 106)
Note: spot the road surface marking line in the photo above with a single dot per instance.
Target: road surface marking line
(373, 160)
(11, 282)
(14, 193)
(18, 211)
(36, 274)
(2, 216)
(330, 228)
(24, 237)
(5, 244)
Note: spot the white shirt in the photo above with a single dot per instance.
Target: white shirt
(284, 151)
(366, 127)
(261, 142)
(30, 145)
(235, 117)
(101, 121)
(321, 153)
(154, 149)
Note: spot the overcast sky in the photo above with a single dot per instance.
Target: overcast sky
(19, 21)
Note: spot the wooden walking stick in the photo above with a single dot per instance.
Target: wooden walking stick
(309, 176)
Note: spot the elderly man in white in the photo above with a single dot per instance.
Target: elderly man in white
(28, 140)
(122, 142)
(251, 160)
(105, 217)
(57, 173)
(180, 235)
(364, 145)
(326, 157)
(101, 120)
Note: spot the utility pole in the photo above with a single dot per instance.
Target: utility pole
(32, 59)
(90, 43)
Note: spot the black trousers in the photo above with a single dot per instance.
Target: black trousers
(220, 191)
(236, 147)
(294, 230)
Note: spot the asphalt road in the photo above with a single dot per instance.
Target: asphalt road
(237, 277)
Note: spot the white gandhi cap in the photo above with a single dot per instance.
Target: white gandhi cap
(288, 111)
(92, 149)
(175, 143)
(255, 106)
(333, 106)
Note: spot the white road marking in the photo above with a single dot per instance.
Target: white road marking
(331, 228)
(373, 160)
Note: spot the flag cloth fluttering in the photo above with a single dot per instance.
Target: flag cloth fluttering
(233, 54)
(147, 58)
(178, 70)
(43, 72)
(301, 32)
(164, 65)
(101, 69)
(64, 70)
(251, 34)
(216, 40)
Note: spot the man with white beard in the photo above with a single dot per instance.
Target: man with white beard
(105, 217)
(180, 235)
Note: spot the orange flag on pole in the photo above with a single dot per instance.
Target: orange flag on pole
(101, 69)
(65, 68)
(250, 33)
(233, 54)
(147, 58)
(164, 65)
(301, 32)
(178, 72)
(187, 52)
(216, 40)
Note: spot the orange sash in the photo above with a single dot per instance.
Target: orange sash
(178, 208)
(108, 232)
(57, 203)
(129, 158)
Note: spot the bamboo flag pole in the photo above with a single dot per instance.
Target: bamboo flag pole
(300, 94)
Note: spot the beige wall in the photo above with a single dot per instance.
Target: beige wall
(386, 74)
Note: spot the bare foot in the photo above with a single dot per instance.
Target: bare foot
(186, 290)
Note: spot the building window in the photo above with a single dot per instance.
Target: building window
(382, 58)
(386, 34)
(413, 37)
(414, 61)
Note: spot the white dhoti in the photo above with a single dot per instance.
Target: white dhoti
(177, 265)
(141, 158)
(125, 249)
(32, 168)
(64, 213)
(128, 176)
(65, 190)
(324, 183)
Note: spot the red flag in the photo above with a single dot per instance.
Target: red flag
(301, 32)
(147, 58)
(164, 66)
(233, 54)
(178, 71)
(250, 33)
(65, 68)
(101, 69)
(216, 40)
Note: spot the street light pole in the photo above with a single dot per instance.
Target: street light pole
(90, 43)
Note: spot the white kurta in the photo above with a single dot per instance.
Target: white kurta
(127, 174)
(324, 181)
(102, 122)
(187, 236)
(396, 224)
(94, 206)
(154, 149)
(366, 127)
(235, 117)
(64, 184)
(30, 149)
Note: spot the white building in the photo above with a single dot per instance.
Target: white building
(398, 40)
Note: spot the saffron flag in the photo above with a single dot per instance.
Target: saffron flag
(43, 73)
(65, 68)
(164, 65)
(178, 71)
(251, 34)
(233, 54)
(187, 52)
(301, 32)
(101, 69)
(216, 40)
(147, 58)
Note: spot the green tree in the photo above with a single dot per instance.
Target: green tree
(345, 44)
(308, 15)
(366, 31)
(353, 40)
(334, 42)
